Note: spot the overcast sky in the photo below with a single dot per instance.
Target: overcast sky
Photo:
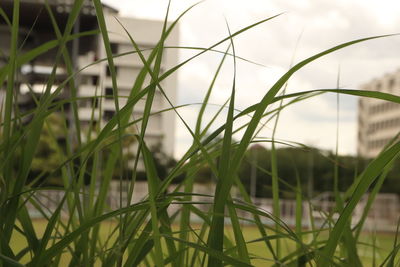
(315, 26)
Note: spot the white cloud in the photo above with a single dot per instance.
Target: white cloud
(332, 19)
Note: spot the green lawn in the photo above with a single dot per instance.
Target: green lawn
(384, 243)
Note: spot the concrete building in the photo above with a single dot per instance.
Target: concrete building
(378, 120)
(36, 29)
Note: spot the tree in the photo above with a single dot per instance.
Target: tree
(49, 153)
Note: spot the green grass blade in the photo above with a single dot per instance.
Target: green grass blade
(240, 241)
(10, 262)
(251, 128)
(54, 250)
(5, 17)
(188, 183)
(11, 74)
(9, 213)
(215, 240)
(211, 252)
(368, 176)
(153, 184)
(29, 231)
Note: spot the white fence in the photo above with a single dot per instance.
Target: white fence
(383, 215)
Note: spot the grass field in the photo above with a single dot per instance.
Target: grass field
(258, 250)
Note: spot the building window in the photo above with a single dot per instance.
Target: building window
(95, 80)
(114, 48)
(95, 102)
(109, 92)
(108, 72)
(108, 114)
(83, 103)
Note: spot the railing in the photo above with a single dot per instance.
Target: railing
(383, 214)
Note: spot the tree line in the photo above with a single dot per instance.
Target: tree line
(312, 169)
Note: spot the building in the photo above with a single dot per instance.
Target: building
(378, 120)
(36, 29)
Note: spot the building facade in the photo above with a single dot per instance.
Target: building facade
(378, 120)
(94, 85)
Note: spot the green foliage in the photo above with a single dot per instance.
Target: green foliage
(51, 147)
(307, 163)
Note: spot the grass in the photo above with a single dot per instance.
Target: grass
(256, 249)
(145, 233)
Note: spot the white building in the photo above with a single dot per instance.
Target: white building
(95, 80)
(161, 127)
(378, 120)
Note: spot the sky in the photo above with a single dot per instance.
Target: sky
(304, 28)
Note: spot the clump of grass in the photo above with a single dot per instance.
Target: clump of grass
(145, 233)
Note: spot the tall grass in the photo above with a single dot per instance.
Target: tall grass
(146, 233)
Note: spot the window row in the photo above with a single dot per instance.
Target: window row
(120, 48)
(383, 107)
(90, 80)
(386, 124)
(89, 103)
(93, 102)
(379, 143)
(387, 86)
